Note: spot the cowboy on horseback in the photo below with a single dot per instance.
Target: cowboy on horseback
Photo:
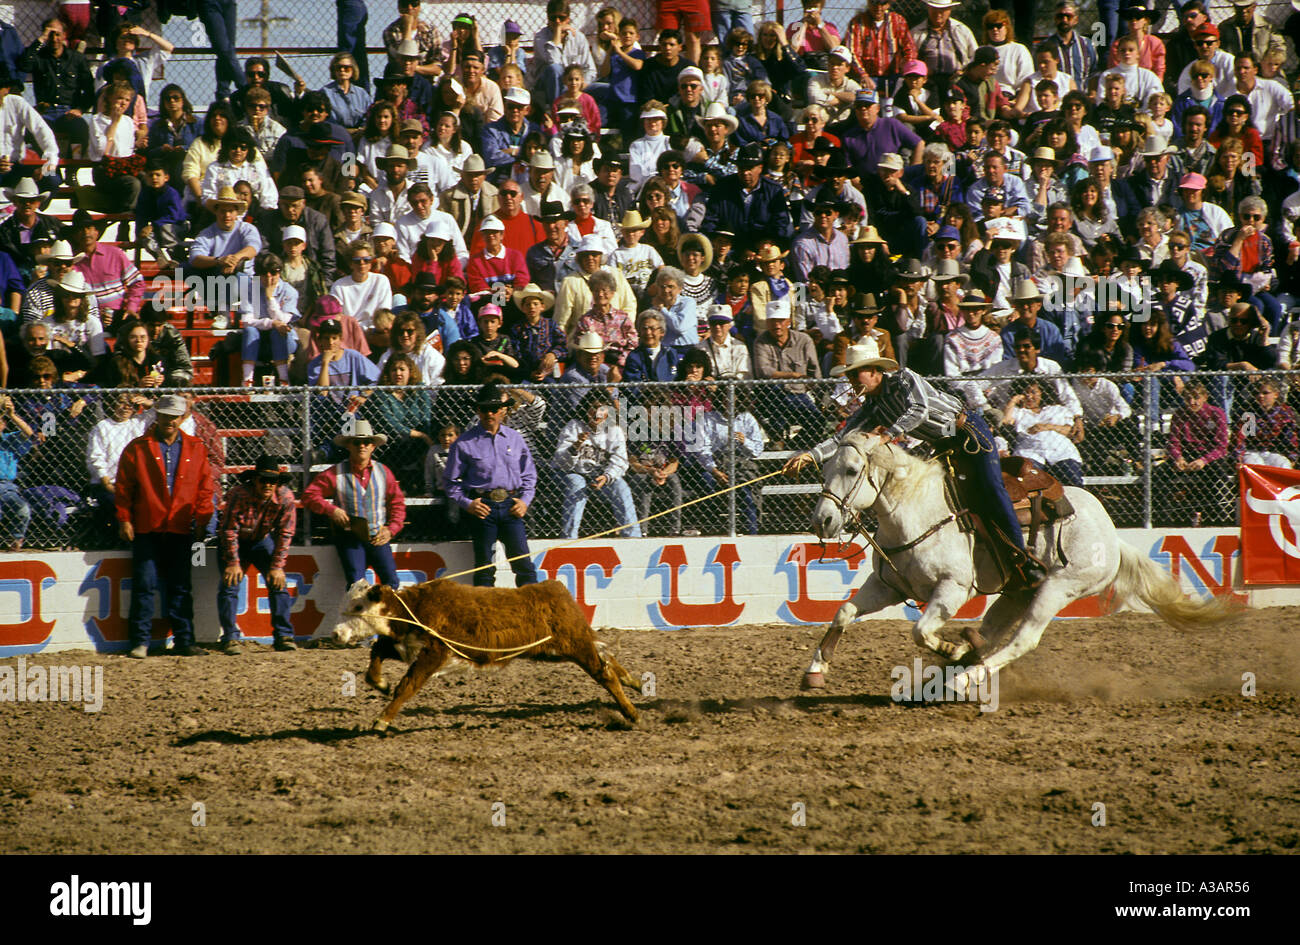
(902, 403)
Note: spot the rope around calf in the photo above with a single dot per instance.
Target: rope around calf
(514, 651)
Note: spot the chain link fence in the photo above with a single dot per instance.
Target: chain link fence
(670, 448)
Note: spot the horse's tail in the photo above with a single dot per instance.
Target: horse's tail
(1142, 578)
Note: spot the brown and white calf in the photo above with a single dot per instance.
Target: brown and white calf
(489, 618)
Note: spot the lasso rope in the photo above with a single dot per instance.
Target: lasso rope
(513, 651)
(619, 528)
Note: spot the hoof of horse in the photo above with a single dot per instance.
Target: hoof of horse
(955, 651)
(813, 681)
(379, 726)
(381, 686)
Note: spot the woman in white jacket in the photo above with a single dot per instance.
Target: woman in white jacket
(592, 455)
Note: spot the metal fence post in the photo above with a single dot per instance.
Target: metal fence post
(1152, 417)
(305, 393)
(731, 457)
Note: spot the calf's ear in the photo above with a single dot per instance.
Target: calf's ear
(375, 594)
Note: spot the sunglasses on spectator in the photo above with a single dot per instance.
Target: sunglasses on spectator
(1178, 246)
(1236, 111)
(407, 331)
(1115, 325)
(259, 74)
(1206, 42)
(670, 165)
(363, 259)
(1252, 216)
(259, 106)
(45, 377)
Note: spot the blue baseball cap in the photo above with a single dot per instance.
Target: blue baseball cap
(948, 233)
(866, 98)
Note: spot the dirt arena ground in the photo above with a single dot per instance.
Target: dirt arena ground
(1121, 711)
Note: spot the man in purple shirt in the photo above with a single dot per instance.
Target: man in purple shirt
(870, 136)
(491, 475)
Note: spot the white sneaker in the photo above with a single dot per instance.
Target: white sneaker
(139, 652)
(219, 322)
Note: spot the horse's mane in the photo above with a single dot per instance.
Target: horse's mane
(910, 472)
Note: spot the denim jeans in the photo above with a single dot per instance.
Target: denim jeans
(355, 555)
(352, 17)
(549, 83)
(258, 554)
(668, 495)
(510, 530)
(985, 470)
(283, 345)
(15, 513)
(615, 493)
(160, 561)
(724, 21)
(219, 18)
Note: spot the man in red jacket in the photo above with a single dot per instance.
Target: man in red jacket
(164, 500)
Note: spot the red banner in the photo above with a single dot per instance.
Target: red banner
(1270, 525)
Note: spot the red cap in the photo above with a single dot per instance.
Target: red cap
(1206, 29)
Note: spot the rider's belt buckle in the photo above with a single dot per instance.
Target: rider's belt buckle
(498, 495)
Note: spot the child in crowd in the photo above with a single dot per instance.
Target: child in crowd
(435, 470)
(1158, 106)
(635, 259)
(716, 85)
(452, 304)
(160, 214)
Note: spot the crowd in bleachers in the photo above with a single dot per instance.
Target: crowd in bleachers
(988, 207)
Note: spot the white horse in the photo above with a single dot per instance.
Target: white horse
(945, 566)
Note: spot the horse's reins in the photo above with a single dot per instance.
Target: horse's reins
(850, 516)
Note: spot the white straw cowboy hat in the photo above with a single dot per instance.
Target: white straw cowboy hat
(770, 253)
(361, 433)
(227, 198)
(718, 112)
(60, 251)
(948, 270)
(1026, 291)
(864, 355)
(1155, 146)
(533, 290)
(27, 190)
(590, 342)
(632, 220)
(74, 282)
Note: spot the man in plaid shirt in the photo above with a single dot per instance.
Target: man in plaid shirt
(881, 43)
(256, 528)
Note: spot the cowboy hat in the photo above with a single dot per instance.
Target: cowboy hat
(361, 433)
(27, 190)
(718, 112)
(1026, 291)
(770, 253)
(396, 152)
(632, 220)
(688, 239)
(533, 290)
(864, 304)
(473, 165)
(1156, 146)
(227, 198)
(60, 250)
(869, 234)
(948, 270)
(912, 272)
(552, 211)
(864, 355)
(1169, 270)
(491, 397)
(837, 165)
(975, 299)
(267, 469)
(75, 283)
(589, 342)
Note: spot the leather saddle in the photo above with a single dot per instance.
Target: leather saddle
(1037, 496)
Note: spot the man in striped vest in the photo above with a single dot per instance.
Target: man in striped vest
(364, 502)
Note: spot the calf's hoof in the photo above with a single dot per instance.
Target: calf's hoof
(813, 681)
(379, 726)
